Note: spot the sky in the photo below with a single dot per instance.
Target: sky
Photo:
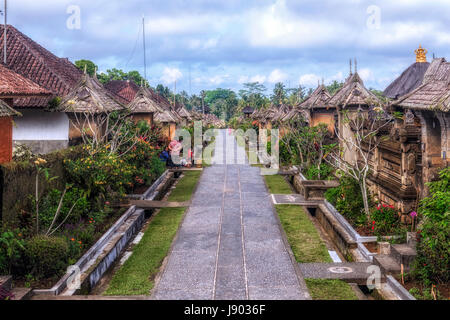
(208, 44)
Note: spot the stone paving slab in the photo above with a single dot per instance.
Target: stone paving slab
(229, 246)
(352, 272)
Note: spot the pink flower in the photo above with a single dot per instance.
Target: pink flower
(413, 214)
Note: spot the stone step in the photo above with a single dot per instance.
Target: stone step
(351, 272)
(387, 264)
(22, 293)
(403, 253)
(6, 282)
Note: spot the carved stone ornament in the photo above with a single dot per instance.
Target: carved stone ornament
(409, 117)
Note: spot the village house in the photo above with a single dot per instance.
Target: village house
(39, 129)
(13, 86)
(87, 105)
(165, 115)
(423, 135)
(6, 124)
(143, 107)
(319, 110)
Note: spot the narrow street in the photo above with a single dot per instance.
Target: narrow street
(230, 245)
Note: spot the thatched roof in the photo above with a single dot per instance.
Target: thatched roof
(7, 111)
(282, 111)
(318, 99)
(183, 112)
(13, 85)
(144, 103)
(295, 113)
(248, 110)
(90, 96)
(268, 114)
(434, 93)
(409, 80)
(354, 93)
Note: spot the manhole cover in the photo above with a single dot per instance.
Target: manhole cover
(340, 270)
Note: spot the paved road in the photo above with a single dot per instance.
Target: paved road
(229, 245)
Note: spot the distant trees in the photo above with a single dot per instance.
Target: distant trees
(91, 68)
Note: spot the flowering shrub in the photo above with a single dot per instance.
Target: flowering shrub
(101, 173)
(385, 220)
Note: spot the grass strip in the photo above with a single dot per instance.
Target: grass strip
(325, 289)
(136, 276)
(185, 187)
(278, 185)
(302, 235)
(308, 247)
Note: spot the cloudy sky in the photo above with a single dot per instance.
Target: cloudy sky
(205, 44)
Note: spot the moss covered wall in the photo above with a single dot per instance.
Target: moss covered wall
(18, 183)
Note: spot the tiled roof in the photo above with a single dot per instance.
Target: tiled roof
(125, 89)
(31, 60)
(7, 111)
(13, 85)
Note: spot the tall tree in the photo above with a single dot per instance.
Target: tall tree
(279, 95)
(91, 68)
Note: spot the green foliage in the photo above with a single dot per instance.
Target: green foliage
(347, 199)
(432, 263)
(11, 246)
(118, 74)
(101, 173)
(50, 202)
(324, 172)
(304, 145)
(385, 220)
(47, 256)
(91, 68)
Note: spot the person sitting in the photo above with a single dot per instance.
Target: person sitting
(165, 156)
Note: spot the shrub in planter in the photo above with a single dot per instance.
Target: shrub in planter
(347, 199)
(325, 172)
(385, 220)
(47, 256)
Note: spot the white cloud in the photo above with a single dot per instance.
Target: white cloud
(366, 74)
(171, 75)
(277, 76)
(309, 79)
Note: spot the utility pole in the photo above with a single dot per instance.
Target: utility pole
(203, 101)
(175, 95)
(145, 53)
(4, 36)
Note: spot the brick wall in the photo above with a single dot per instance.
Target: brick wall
(5, 139)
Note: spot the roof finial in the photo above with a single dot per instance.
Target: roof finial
(85, 68)
(351, 71)
(356, 66)
(323, 81)
(95, 73)
(421, 54)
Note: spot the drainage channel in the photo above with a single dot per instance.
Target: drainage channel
(126, 253)
(345, 262)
